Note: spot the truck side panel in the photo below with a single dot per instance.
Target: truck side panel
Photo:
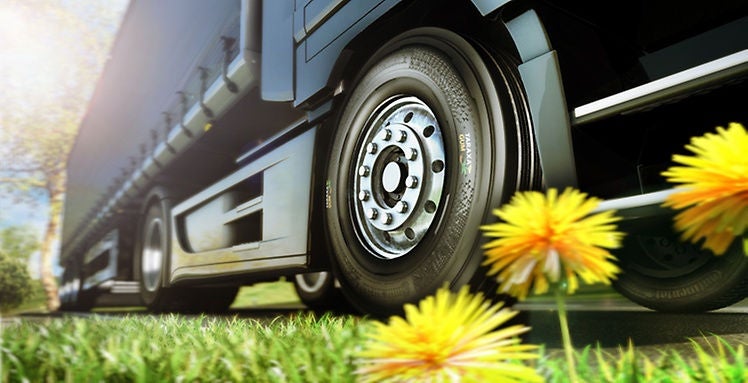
(133, 93)
(277, 43)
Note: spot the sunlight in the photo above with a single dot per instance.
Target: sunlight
(34, 61)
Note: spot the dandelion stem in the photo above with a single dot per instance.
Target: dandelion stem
(565, 336)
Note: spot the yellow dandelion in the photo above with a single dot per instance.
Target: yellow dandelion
(714, 188)
(448, 338)
(544, 239)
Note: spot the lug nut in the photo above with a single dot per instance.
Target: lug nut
(363, 195)
(372, 214)
(371, 148)
(401, 206)
(385, 135)
(402, 136)
(411, 182)
(413, 154)
(363, 171)
(386, 218)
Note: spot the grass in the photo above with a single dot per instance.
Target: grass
(300, 348)
(297, 348)
(267, 293)
(719, 362)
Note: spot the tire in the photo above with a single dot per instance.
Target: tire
(317, 291)
(85, 301)
(466, 141)
(664, 274)
(151, 266)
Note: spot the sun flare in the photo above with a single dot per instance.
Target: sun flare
(35, 58)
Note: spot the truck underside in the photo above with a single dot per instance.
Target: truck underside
(356, 147)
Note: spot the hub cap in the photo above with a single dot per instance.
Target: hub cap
(399, 176)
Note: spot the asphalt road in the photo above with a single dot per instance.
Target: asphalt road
(614, 322)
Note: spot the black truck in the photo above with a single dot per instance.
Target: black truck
(356, 146)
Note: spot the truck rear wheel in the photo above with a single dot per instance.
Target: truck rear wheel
(427, 143)
(151, 266)
(665, 274)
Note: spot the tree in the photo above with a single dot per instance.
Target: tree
(15, 283)
(18, 242)
(52, 54)
(16, 245)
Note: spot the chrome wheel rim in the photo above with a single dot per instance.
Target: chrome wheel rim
(398, 176)
(152, 257)
(311, 282)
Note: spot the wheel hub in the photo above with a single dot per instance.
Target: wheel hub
(392, 177)
(399, 176)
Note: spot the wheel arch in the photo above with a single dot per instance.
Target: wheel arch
(515, 31)
(478, 29)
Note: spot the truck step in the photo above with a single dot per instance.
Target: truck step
(665, 89)
(119, 287)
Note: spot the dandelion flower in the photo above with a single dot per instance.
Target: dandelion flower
(714, 188)
(547, 239)
(448, 338)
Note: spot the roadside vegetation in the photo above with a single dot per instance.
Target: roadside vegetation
(296, 348)
(18, 291)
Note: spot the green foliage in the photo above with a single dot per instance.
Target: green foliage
(298, 348)
(16, 285)
(50, 67)
(302, 348)
(266, 293)
(18, 242)
(718, 363)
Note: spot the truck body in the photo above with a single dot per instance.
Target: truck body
(355, 147)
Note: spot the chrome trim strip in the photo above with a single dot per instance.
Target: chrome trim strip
(663, 88)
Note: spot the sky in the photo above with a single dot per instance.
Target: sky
(24, 44)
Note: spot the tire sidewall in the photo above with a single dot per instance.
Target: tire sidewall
(717, 283)
(449, 251)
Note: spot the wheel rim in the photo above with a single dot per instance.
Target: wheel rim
(311, 282)
(666, 257)
(152, 257)
(398, 176)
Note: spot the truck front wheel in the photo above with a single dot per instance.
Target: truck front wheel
(429, 140)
